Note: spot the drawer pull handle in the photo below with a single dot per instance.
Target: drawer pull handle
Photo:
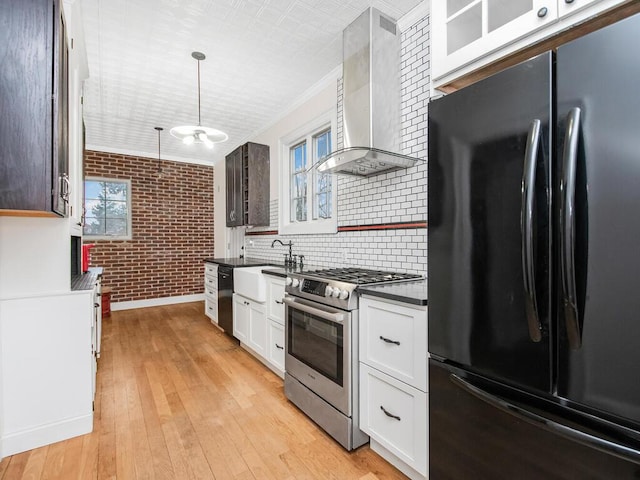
(279, 302)
(389, 414)
(542, 12)
(386, 340)
(279, 347)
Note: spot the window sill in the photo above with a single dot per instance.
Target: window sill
(313, 228)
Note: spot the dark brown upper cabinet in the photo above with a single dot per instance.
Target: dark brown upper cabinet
(34, 160)
(247, 185)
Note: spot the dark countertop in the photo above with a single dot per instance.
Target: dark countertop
(281, 271)
(240, 262)
(414, 293)
(86, 281)
(284, 271)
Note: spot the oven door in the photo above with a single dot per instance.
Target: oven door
(318, 350)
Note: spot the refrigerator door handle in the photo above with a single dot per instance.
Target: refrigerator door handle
(526, 230)
(570, 433)
(567, 229)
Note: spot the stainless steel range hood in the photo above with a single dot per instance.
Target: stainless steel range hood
(371, 99)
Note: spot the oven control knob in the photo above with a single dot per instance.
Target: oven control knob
(336, 292)
(343, 294)
(288, 281)
(328, 291)
(295, 282)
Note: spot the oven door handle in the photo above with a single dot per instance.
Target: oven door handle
(332, 317)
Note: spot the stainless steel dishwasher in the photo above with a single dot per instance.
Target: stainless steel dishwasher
(225, 293)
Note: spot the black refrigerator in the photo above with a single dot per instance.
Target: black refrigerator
(534, 267)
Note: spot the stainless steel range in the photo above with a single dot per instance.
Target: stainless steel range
(321, 356)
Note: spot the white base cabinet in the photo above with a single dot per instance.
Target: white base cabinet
(250, 325)
(275, 296)
(275, 317)
(395, 415)
(275, 347)
(260, 326)
(394, 383)
(211, 291)
(48, 360)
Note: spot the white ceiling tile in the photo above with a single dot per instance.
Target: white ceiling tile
(261, 56)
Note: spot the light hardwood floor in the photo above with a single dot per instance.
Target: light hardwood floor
(178, 399)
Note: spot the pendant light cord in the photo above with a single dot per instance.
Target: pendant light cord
(159, 129)
(199, 120)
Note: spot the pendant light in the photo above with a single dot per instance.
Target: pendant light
(159, 129)
(190, 134)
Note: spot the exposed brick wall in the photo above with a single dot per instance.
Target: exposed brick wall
(172, 227)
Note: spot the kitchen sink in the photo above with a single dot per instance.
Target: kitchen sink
(251, 283)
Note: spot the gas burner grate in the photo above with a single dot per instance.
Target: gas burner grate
(362, 276)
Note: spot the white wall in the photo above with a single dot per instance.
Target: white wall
(320, 98)
(399, 196)
(35, 256)
(325, 99)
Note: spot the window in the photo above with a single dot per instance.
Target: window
(308, 196)
(299, 182)
(107, 205)
(323, 184)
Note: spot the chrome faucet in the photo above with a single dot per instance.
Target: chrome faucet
(290, 260)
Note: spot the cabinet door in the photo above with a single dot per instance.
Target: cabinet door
(241, 314)
(568, 7)
(211, 283)
(258, 328)
(275, 305)
(233, 170)
(211, 270)
(48, 368)
(26, 86)
(256, 208)
(395, 415)
(211, 309)
(393, 339)
(61, 184)
(466, 30)
(275, 345)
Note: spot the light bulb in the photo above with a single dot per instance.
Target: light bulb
(188, 140)
(206, 141)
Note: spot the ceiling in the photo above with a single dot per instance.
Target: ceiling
(262, 55)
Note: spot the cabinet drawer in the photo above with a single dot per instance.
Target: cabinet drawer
(275, 349)
(393, 339)
(275, 305)
(395, 415)
(211, 270)
(210, 291)
(211, 309)
(211, 283)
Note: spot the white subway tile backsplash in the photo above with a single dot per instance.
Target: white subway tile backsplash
(399, 196)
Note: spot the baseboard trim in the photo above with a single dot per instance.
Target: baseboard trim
(156, 302)
(42, 435)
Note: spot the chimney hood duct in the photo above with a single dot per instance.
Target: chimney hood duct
(371, 99)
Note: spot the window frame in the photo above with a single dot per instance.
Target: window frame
(129, 202)
(307, 132)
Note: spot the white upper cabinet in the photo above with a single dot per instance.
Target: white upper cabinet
(463, 30)
(469, 34)
(567, 7)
